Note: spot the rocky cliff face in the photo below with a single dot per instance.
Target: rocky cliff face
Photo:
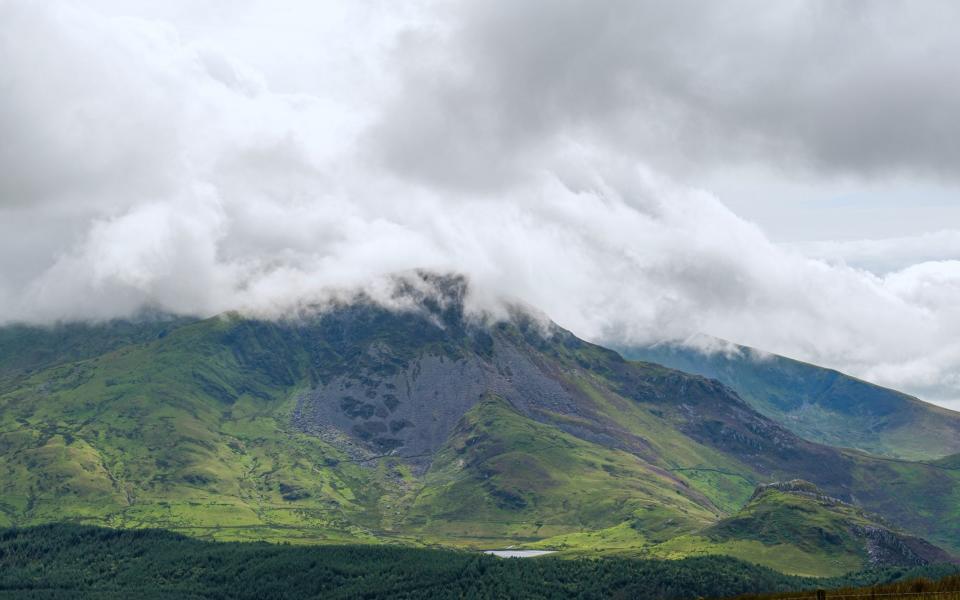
(799, 487)
(887, 548)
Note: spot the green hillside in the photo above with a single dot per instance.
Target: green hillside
(795, 528)
(178, 433)
(416, 426)
(820, 404)
(503, 475)
(25, 348)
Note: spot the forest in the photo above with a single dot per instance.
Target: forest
(71, 561)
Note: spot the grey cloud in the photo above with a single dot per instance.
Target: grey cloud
(862, 88)
(56, 98)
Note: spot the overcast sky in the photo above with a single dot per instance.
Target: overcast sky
(780, 174)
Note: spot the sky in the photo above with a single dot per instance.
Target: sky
(783, 175)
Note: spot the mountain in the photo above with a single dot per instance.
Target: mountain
(819, 404)
(795, 528)
(416, 425)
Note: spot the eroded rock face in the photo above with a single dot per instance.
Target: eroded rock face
(799, 487)
(886, 548)
(411, 412)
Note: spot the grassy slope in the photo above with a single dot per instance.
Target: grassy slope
(820, 404)
(792, 534)
(504, 475)
(26, 348)
(727, 482)
(788, 532)
(629, 401)
(921, 498)
(175, 433)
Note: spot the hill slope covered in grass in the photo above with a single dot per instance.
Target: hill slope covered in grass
(795, 528)
(819, 404)
(26, 348)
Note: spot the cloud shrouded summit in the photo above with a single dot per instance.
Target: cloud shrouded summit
(193, 163)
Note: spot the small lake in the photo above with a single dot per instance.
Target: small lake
(518, 553)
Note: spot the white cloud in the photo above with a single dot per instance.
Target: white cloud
(160, 170)
(886, 255)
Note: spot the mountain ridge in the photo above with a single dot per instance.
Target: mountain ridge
(820, 404)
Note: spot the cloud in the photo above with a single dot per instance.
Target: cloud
(537, 148)
(887, 255)
(851, 88)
